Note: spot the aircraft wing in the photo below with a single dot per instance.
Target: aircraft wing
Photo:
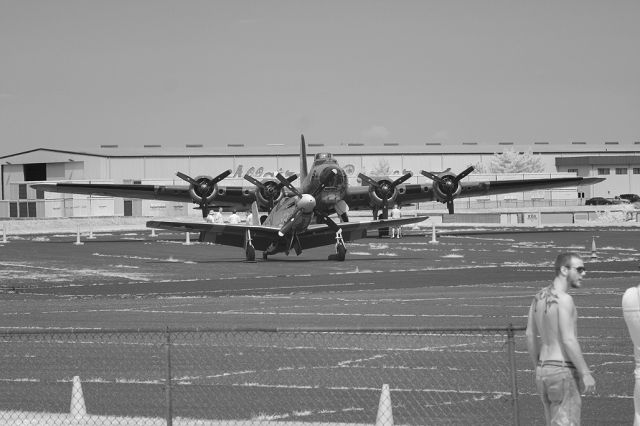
(262, 236)
(474, 189)
(227, 196)
(321, 235)
(219, 233)
(359, 197)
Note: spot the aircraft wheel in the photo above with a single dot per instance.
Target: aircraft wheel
(264, 255)
(251, 254)
(342, 252)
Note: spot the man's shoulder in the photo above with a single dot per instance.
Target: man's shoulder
(565, 300)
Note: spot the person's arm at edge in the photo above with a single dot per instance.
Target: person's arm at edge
(533, 344)
(570, 341)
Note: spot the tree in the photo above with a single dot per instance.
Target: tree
(511, 161)
(382, 168)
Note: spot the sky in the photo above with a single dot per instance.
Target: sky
(75, 75)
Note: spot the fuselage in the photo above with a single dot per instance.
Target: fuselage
(325, 169)
(284, 211)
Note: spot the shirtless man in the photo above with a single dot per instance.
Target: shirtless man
(561, 371)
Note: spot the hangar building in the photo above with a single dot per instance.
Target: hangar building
(155, 164)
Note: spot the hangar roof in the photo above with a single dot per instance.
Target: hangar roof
(595, 160)
(434, 148)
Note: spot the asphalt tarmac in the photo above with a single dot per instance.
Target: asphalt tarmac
(134, 280)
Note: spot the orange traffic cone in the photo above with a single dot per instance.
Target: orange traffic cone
(385, 413)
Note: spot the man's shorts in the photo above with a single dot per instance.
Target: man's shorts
(557, 383)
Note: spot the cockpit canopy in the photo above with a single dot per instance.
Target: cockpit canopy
(323, 158)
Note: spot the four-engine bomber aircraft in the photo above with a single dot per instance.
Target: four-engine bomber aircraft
(328, 181)
(287, 227)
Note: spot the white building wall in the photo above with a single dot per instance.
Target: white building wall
(161, 170)
(121, 169)
(255, 166)
(11, 173)
(165, 167)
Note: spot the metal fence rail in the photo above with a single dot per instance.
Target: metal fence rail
(261, 376)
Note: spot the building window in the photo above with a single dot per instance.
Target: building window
(22, 191)
(572, 171)
(636, 170)
(621, 170)
(35, 171)
(604, 171)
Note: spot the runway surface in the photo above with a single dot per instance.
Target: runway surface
(133, 280)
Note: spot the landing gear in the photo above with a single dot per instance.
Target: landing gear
(249, 250)
(271, 249)
(341, 250)
(342, 209)
(296, 245)
(250, 253)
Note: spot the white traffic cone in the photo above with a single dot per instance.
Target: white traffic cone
(91, 236)
(385, 413)
(594, 255)
(187, 240)
(78, 242)
(78, 409)
(4, 233)
(153, 232)
(433, 233)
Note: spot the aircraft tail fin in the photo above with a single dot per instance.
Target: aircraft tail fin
(255, 214)
(303, 158)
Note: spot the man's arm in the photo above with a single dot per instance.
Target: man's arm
(567, 318)
(533, 344)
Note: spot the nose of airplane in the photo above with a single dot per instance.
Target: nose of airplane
(329, 177)
(306, 203)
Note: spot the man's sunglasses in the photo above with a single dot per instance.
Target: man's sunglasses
(580, 269)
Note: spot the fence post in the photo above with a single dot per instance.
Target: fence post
(511, 349)
(167, 386)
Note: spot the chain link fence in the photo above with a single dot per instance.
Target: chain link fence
(263, 377)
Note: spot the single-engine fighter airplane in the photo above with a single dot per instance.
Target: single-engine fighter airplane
(287, 227)
(336, 196)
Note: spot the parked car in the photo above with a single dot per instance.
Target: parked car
(631, 197)
(598, 201)
(618, 200)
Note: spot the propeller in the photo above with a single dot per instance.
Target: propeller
(270, 190)
(306, 204)
(384, 189)
(202, 189)
(285, 182)
(448, 185)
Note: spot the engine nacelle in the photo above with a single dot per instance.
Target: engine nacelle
(447, 189)
(203, 192)
(271, 190)
(385, 190)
